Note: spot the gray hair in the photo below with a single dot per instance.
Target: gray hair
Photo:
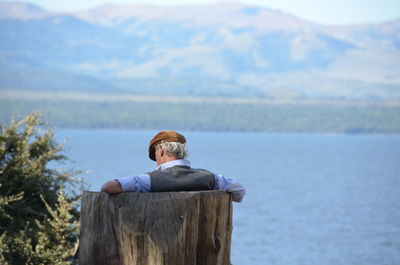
(176, 149)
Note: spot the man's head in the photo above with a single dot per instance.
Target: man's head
(167, 143)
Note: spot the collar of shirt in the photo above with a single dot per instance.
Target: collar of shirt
(178, 162)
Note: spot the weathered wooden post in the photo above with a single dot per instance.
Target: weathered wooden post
(168, 228)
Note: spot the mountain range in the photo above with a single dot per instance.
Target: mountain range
(225, 49)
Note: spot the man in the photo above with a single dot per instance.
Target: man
(173, 172)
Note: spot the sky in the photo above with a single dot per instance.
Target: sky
(333, 12)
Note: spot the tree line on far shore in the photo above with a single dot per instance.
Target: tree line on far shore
(276, 118)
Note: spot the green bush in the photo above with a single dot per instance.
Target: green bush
(38, 220)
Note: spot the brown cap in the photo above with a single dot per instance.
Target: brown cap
(164, 136)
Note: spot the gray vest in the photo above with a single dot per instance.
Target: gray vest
(181, 178)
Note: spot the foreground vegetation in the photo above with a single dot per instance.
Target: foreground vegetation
(313, 118)
(38, 211)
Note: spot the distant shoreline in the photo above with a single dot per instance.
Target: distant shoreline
(29, 95)
(196, 114)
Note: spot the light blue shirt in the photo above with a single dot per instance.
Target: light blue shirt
(142, 182)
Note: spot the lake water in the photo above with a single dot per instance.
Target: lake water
(311, 199)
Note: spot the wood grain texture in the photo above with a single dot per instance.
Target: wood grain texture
(166, 228)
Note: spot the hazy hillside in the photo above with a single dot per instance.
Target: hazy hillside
(221, 49)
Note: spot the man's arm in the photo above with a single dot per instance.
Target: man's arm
(231, 186)
(112, 187)
(140, 183)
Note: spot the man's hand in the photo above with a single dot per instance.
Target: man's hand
(112, 187)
